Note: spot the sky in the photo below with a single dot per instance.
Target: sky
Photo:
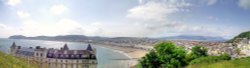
(124, 18)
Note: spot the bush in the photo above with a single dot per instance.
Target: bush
(165, 54)
(211, 59)
(196, 52)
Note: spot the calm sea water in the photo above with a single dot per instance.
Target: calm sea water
(105, 56)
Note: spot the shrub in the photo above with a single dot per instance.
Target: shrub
(196, 52)
(211, 59)
(165, 54)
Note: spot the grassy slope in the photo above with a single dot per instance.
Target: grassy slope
(7, 61)
(241, 35)
(239, 63)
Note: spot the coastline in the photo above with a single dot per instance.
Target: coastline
(133, 54)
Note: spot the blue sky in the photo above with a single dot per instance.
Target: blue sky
(126, 18)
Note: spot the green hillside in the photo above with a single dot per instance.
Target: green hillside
(8, 61)
(242, 35)
(238, 63)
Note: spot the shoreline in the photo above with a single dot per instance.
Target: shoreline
(131, 53)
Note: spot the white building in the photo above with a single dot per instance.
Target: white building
(56, 58)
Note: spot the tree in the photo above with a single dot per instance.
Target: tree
(150, 60)
(164, 54)
(197, 52)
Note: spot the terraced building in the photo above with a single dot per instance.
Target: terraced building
(56, 58)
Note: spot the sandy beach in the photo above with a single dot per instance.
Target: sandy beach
(132, 53)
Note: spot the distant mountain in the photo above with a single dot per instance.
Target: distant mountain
(81, 38)
(241, 35)
(59, 38)
(17, 37)
(121, 41)
(192, 37)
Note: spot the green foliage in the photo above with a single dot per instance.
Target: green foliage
(151, 60)
(211, 59)
(165, 54)
(7, 61)
(199, 51)
(196, 52)
(237, 63)
(242, 35)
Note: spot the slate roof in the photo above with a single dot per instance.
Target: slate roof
(69, 54)
(89, 47)
(64, 53)
(25, 51)
(13, 45)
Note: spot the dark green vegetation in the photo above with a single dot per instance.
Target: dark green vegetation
(168, 55)
(165, 54)
(210, 59)
(7, 61)
(242, 35)
(237, 63)
(196, 52)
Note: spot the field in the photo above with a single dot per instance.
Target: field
(8, 61)
(237, 63)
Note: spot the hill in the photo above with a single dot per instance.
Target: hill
(7, 61)
(241, 35)
(237, 63)
(192, 37)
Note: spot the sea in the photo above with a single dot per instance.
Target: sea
(106, 57)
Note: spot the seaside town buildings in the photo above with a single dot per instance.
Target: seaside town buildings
(56, 58)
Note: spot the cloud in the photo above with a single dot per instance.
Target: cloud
(245, 4)
(23, 14)
(6, 31)
(151, 11)
(63, 26)
(155, 11)
(2, 26)
(58, 9)
(153, 16)
(13, 2)
(140, 1)
(211, 2)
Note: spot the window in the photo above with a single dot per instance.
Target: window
(50, 55)
(41, 54)
(67, 56)
(61, 56)
(84, 56)
(77, 56)
(85, 66)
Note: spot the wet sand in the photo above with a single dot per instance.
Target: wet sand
(132, 53)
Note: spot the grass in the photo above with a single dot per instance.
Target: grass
(8, 61)
(237, 63)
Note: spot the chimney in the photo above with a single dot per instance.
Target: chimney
(38, 47)
(19, 47)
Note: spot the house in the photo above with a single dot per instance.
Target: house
(56, 58)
